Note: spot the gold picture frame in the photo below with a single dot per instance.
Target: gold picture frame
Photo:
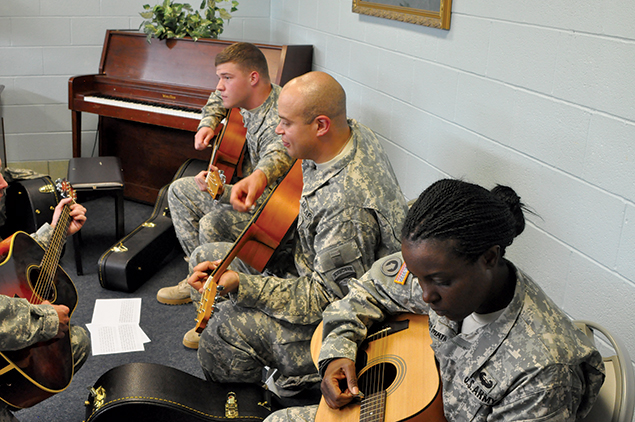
(420, 12)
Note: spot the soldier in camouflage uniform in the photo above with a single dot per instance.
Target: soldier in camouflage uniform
(198, 219)
(23, 324)
(351, 211)
(505, 351)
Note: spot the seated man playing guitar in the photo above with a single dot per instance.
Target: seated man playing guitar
(198, 218)
(350, 212)
(23, 324)
(505, 351)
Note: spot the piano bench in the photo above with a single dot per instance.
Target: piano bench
(97, 176)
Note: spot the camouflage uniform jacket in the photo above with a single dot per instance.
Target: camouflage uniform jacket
(351, 214)
(265, 150)
(21, 323)
(529, 364)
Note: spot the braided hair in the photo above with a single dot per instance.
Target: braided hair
(470, 215)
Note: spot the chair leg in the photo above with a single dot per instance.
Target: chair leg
(77, 245)
(119, 215)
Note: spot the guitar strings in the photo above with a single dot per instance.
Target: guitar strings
(204, 306)
(373, 404)
(44, 280)
(44, 285)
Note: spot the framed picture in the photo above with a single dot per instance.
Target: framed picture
(434, 13)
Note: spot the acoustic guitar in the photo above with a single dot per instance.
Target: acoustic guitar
(32, 374)
(257, 243)
(397, 375)
(227, 152)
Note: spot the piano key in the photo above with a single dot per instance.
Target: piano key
(142, 106)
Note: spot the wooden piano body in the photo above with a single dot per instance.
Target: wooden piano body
(159, 90)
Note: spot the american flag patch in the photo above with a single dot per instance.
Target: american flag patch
(402, 275)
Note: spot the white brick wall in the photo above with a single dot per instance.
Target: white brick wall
(537, 95)
(44, 42)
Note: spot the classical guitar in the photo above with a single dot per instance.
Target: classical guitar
(227, 152)
(260, 239)
(397, 375)
(32, 374)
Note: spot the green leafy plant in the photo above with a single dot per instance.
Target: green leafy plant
(178, 20)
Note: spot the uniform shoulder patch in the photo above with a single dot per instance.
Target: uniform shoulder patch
(391, 267)
(402, 274)
(343, 273)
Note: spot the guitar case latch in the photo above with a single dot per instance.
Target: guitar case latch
(99, 395)
(119, 248)
(231, 406)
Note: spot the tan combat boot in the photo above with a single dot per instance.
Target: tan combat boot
(175, 295)
(190, 339)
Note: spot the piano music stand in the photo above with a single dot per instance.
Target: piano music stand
(97, 176)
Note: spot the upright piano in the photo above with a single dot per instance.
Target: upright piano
(149, 97)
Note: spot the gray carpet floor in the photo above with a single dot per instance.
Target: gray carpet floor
(165, 325)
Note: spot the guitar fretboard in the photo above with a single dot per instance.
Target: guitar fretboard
(373, 408)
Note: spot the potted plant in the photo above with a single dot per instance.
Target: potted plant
(177, 20)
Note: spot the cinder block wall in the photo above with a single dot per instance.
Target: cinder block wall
(537, 95)
(45, 42)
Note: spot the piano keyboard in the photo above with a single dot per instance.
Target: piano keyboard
(143, 106)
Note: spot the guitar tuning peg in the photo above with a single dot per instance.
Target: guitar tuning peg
(64, 188)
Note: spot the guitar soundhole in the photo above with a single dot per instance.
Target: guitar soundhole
(43, 291)
(377, 378)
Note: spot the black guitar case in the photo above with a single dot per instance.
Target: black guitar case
(158, 393)
(135, 258)
(30, 203)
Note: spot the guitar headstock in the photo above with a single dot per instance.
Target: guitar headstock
(207, 305)
(215, 181)
(65, 189)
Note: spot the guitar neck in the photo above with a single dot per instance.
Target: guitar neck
(286, 195)
(373, 407)
(54, 251)
(208, 297)
(217, 140)
(51, 259)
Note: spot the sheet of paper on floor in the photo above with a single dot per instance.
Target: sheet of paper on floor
(115, 326)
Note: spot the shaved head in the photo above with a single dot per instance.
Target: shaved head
(313, 124)
(318, 93)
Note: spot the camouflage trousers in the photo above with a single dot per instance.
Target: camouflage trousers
(239, 342)
(80, 346)
(198, 219)
(293, 414)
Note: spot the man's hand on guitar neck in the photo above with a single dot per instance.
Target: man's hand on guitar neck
(229, 279)
(340, 374)
(246, 192)
(201, 178)
(202, 138)
(78, 215)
